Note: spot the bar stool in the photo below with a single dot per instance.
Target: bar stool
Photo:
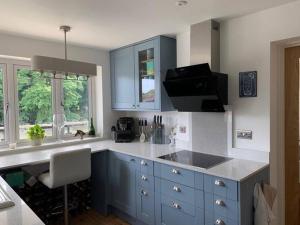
(66, 168)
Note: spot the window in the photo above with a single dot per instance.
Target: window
(28, 97)
(2, 114)
(76, 104)
(35, 101)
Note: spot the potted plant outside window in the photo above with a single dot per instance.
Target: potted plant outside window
(36, 134)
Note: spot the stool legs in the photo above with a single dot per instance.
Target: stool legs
(66, 205)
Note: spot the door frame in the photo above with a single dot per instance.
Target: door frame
(277, 123)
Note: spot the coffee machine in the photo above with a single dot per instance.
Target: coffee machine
(125, 130)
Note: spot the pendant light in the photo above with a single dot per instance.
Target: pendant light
(62, 68)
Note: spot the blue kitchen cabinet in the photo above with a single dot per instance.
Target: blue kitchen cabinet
(99, 178)
(178, 198)
(145, 192)
(152, 193)
(122, 75)
(122, 184)
(143, 65)
(145, 205)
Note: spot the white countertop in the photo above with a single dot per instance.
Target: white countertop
(20, 214)
(235, 169)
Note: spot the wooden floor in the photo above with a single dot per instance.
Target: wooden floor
(91, 217)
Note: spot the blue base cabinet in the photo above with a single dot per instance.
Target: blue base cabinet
(145, 206)
(144, 192)
(122, 182)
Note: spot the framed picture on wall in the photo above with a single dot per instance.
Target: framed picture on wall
(248, 84)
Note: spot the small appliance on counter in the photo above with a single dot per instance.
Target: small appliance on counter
(125, 130)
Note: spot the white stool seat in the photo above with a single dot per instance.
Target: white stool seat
(66, 168)
(45, 179)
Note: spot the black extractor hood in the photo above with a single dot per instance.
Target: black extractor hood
(197, 89)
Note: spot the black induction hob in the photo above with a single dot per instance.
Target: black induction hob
(202, 160)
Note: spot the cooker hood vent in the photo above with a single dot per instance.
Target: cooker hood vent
(196, 88)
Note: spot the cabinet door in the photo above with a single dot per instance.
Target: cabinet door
(122, 78)
(145, 206)
(147, 75)
(122, 183)
(99, 184)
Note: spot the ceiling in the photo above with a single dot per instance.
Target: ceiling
(109, 24)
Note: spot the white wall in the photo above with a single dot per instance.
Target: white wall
(26, 47)
(245, 45)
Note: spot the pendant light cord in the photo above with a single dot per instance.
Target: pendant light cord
(65, 44)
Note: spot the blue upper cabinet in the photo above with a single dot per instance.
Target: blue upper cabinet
(144, 66)
(122, 74)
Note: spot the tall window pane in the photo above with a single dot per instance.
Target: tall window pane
(76, 104)
(35, 101)
(2, 128)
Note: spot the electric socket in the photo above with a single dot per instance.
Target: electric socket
(244, 134)
(182, 129)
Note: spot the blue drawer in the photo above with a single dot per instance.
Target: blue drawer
(178, 205)
(222, 187)
(214, 219)
(145, 166)
(172, 173)
(178, 191)
(145, 181)
(221, 206)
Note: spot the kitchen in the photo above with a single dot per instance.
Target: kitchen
(202, 131)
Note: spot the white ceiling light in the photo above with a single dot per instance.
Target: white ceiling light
(65, 67)
(181, 3)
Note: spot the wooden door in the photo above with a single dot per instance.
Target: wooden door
(292, 187)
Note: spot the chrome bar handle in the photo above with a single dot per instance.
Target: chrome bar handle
(219, 183)
(177, 189)
(220, 202)
(144, 193)
(143, 163)
(175, 171)
(220, 222)
(176, 205)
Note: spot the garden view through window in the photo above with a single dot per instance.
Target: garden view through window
(35, 101)
(76, 104)
(35, 96)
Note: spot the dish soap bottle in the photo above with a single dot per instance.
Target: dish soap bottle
(92, 131)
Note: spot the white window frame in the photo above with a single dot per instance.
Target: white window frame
(5, 106)
(10, 95)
